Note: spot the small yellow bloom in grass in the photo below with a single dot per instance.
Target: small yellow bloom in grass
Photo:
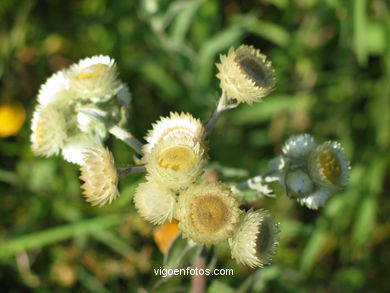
(255, 239)
(100, 176)
(245, 74)
(328, 165)
(165, 234)
(208, 213)
(12, 117)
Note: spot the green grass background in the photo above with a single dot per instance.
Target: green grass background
(332, 65)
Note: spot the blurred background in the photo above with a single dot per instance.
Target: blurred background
(332, 65)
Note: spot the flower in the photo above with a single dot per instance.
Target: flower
(245, 74)
(165, 234)
(299, 146)
(93, 78)
(154, 203)
(255, 239)
(75, 147)
(12, 117)
(55, 90)
(176, 125)
(208, 213)
(100, 176)
(328, 165)
(175, 162)
(316, 199)
(48, 130)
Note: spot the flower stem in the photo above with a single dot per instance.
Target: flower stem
(126, 137)
(115, 130)
(123, 172)
(222, 106)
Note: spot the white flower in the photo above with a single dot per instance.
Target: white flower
(183, 125)
(55, 90)
(175, 162)
(207, 213)
(245, 74)
(255, 239)
(100, 176)
(48, 130)
(93, 78)
(328, 165)
(299, 146)
(76, 146)
(316, 199)
(154, 202)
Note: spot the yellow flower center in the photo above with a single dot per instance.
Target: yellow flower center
(91, 71)
(176, 158)
(330, 166)
(209, 213)
(253, 68)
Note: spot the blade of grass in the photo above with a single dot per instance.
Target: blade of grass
(10, 247)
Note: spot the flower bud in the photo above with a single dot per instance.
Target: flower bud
(245, 74)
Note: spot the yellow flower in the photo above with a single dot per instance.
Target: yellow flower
(255, 239)
(245, 74)
(165, 234)
(155, 203)
(12, 117)
(183, 125)
(175, 162)
(208, 213)
(100, 176)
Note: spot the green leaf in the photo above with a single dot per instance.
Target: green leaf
(214, 46)
(360, 33)
(260, 112)
(217, 287)
(163, 80)
(184, 19)
(10, 247)
(313, 248)
(179, 252)
(364, 222)
(270, 31)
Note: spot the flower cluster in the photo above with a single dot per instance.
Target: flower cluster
(208, 213)
(79, 105)
(59, 124)
(311, 173)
